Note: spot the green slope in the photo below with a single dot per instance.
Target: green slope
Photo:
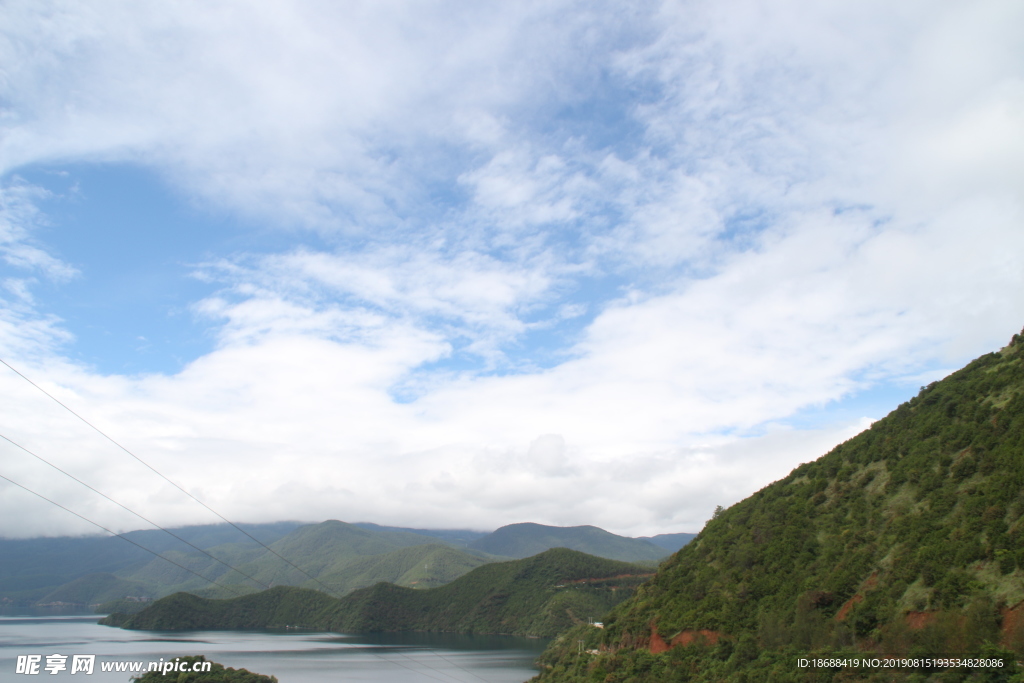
(421, 566)
(95, 588)
(343, 557)
(30, 569)
(525, 540)
(540, 596)
(908, 538)
(459, 538)
(319, 550)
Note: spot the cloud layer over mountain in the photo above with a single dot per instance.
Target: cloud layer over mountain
(561, 262)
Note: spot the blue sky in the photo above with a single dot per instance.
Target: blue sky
(133, 244)
(424, 263)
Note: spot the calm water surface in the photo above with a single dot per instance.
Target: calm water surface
(292, 656)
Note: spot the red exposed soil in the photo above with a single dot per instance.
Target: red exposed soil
(657, 643)
(1013, 621)
(868, 584)
(689, 637)
(918, 620)
(844, 611)
(686, 637)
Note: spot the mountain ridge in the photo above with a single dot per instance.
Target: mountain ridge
(527, 538)
(341, 557)
(907, 538)
(539, 595)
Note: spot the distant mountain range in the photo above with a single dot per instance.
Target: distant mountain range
(670, 542)
(906, 540)
(525, 540)
(38, 570)
(341, 557)
(539, 596)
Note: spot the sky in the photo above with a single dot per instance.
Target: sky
(461, 265)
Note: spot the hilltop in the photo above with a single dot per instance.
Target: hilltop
(908, 538)
(526, 539)
(539, 596)
(456, 537)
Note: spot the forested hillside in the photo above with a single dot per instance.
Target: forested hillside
(540, 596)
(340, 557)
(78, 569)
(907, 538)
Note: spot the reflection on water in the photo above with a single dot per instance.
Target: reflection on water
(293, 656)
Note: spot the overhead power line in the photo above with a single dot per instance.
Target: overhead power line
(121, 536)
(165, 478)
(125, 507)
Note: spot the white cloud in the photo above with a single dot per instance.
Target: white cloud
(466, 297)
(25, 331)
(799, 201)
(291, 112)
(19, 217)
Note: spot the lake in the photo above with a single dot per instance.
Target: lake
(292, 656)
